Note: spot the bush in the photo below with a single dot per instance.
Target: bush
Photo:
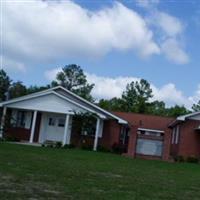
(2, 139)
(69, 146)
(102, 149)
(179, 159)
(11, 139)
(58, 144)
(192, 159)
(118, 148)
(87, 147)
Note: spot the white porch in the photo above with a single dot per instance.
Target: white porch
(57, 107)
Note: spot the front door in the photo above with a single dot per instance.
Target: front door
(53, 129)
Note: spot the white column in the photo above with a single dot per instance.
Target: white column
(66, 137)
(3, 121)
(96, 134)
(33, 127)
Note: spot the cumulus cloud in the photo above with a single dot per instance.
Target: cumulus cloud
(12, 64)
(109, 87)
(171, 25)
(147, 3)
(170, 31)
(36, 31)
(173, 51)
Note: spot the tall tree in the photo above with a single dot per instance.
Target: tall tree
(4, 84)
(114, 104)
(17, 89)
(157, 108)
(73, 78)
(34, 88)
(176, 111)
(136, 96)
(196, 107)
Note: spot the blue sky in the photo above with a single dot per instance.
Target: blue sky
(115, 42)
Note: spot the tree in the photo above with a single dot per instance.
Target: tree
(157, 108)
(4, 84)
(34, 88)
(17, 89)
(114, 104)
(73, 78)
(196, 107)
(176, 111)
(136, 96)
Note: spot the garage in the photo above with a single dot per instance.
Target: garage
(149, 142)
(149, 147)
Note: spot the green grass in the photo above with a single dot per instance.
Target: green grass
(43, 173)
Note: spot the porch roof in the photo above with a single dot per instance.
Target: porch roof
(59, 96)
(182, 118)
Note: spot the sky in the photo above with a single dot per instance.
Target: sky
(115, 42)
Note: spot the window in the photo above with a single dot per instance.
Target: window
(52, 121)
(150, 133)
(175, 134)
(149, 147)
(20, 119)
(61, 122)
(124, 135)
(89, 126)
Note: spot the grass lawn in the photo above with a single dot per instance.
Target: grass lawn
(28, 172)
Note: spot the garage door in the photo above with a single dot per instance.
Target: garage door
(149, 147)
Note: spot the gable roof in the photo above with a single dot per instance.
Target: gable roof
(69, 96)
(183, 118)
(146, 121)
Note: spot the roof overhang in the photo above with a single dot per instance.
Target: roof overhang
(90, 107)
(183, 118)
(150, 130)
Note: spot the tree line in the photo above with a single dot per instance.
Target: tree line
(137, 96)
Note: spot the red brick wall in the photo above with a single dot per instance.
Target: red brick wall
(110, 135)
(18, 133)
(189, 141)
(149, 122)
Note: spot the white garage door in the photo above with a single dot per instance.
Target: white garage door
(149, 147)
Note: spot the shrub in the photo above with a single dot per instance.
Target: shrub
(103, 149)
(11, 139)
(69, 146)
(58, 144)
(118, 148)
(87, 147)
(192, 159)
(179, 159)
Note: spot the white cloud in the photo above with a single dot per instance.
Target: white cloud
(170, 31)
(171, 25)
(50, 75)
(108, 87)
(173, 51)
(7, 63)
(147, 3)
(42, 31)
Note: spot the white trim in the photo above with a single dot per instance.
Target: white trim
(177, 134)
(97, 134)
(121, 121)
(77, 104)
(33, 127)
(26, 97)
(66, 130)
(150, 130)
(50, 90)
(3, 121)
(184, 117)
